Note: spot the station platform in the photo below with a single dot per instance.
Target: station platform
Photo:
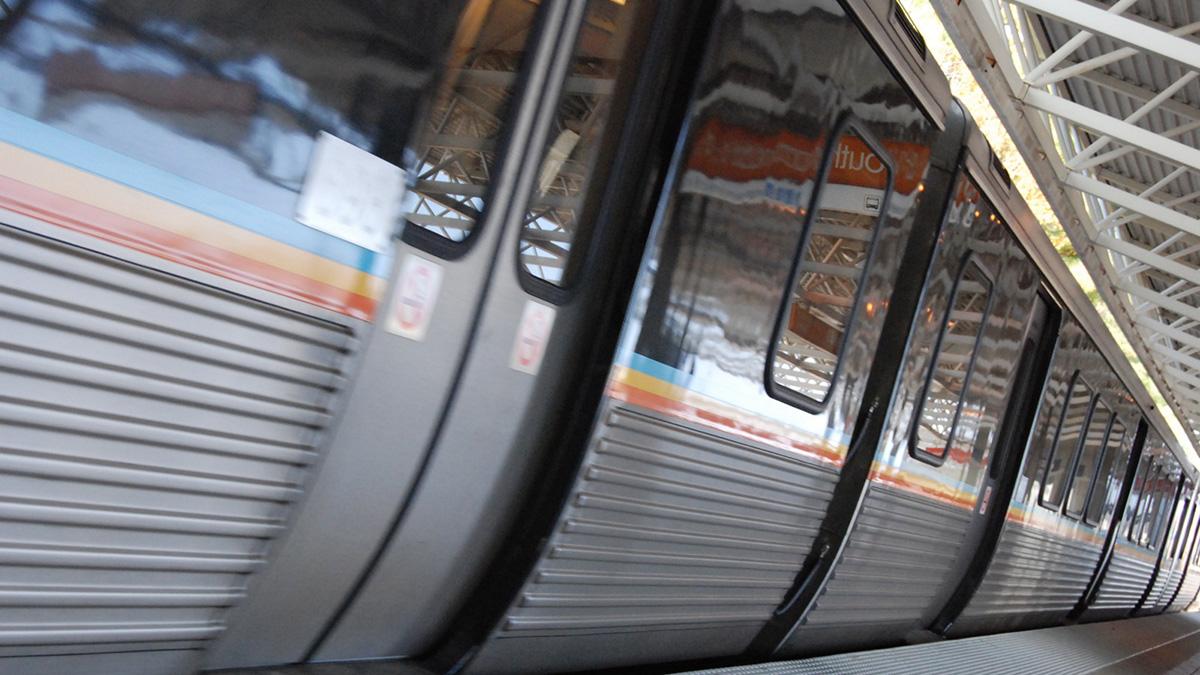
(1157, 644)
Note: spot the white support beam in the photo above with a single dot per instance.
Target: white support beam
(1137, 115)
(1144, 38)
(1135, 203)
(1178, 270)
(1112, 155)
(1000, 39)
(1174, 356)
(1160, 328)
(1129, 185)
(1183, 375)
(1167, 149)
(1069, 47)
(1101, 78)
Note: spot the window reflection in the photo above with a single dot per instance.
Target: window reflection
(1089, 455)
(1110, 475)
(833, 262)
(951, 371)
(1140, 496)
(1070, 429)
(456, 155)
(552, 229)
(229, 100)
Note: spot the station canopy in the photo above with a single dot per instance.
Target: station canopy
(1103, 101)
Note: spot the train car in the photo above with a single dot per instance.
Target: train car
(1131, 571)
(1189, 581)
(516, 336)
(1168, 571)
(1066, 498)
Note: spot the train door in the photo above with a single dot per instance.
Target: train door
(920, 513)
(565, 268)
(197, 209)
(472, 172)
(1182, 595)
(1064, 491)
(1151, 527)
(1167, 531)
(677, 512)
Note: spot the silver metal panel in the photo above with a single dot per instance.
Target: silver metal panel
(458, 516)
(155, 431)
(1164, 587)
(669, 530)
(1123, 584)
(382, 447)
(901, 550)
(1035, 578)
(1187, 590)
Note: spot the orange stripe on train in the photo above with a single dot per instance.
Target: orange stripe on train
(87, 219)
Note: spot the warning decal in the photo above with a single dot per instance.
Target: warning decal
(532, 335)
(415, 297)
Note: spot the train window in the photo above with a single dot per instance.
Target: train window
(1187, 536)
(834, 255)
(1163, 510)
(455, 154)
(1196, 545)
(1151, 526)
(555, 233)
(953, 362)
(1138, 498)
(217, 107)
(1182, 529)
(1070, 434)
(1086, 466)
(1109, 476)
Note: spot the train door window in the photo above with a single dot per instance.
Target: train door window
(1108, 478)
(1196, 545)
(1068, 439)
(556, 229)
(1086, 466)
(1182, 529)
(1148, 535)
(835, 253)
(947, 382)
(1138, 498)
(1162, 517)
(456, 152)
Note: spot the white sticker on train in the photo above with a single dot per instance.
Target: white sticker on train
(350, 193)
(532, 336)
(416, 294)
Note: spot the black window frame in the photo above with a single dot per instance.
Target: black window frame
(1151, 516)
(914, 449)
(1116, 451)
(1182, 530)
(1161, 535)
(1097, 401)
(1144, 469)
(782, 392)
(448, 249)
(1195, 557)
(1076, 378)
(592, 204)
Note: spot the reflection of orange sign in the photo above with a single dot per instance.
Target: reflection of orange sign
(738, 154)
(967, 192)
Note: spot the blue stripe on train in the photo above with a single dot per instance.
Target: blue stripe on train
(59, 145)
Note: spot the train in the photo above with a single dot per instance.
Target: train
(512, 336)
